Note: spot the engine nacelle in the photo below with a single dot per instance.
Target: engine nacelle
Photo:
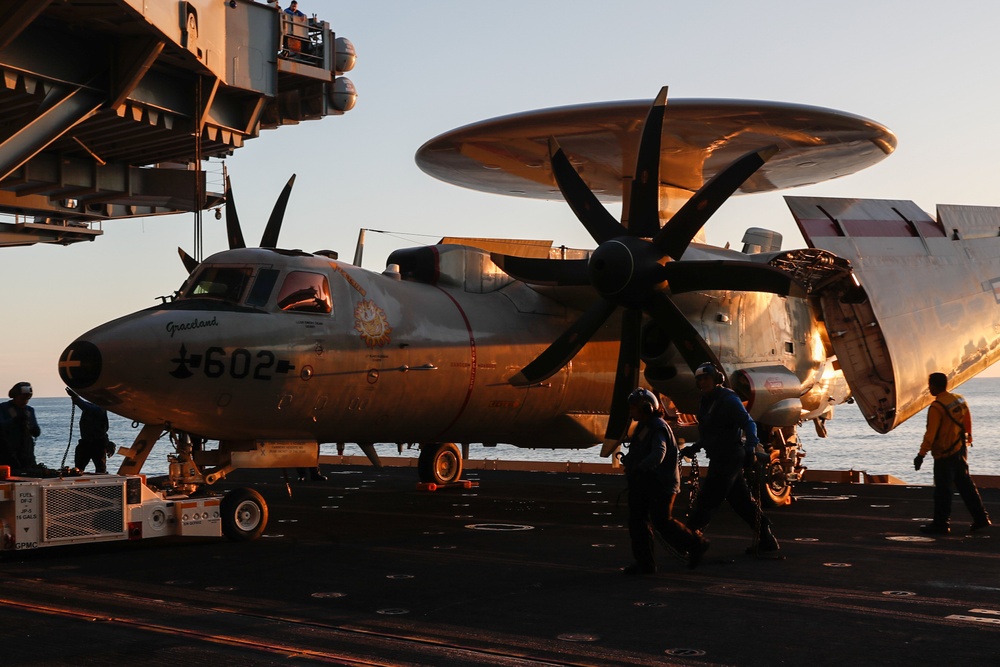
(773, 394)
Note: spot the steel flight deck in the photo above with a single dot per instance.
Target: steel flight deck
(523, 569)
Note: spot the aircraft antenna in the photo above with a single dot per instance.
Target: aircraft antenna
(359, 249)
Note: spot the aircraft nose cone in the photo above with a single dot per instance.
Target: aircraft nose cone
(80, 365)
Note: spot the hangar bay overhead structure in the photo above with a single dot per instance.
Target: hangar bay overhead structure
(108, 108)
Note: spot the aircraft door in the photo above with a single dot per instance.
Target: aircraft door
(431, 362)
(305, 306)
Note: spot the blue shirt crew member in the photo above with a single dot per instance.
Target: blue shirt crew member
(93, 444)
(18, 429)
(721, 420)
(653, 474)
(293, 9)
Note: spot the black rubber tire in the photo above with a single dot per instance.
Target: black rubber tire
(244, 515)
(440, 463)
(777, 490)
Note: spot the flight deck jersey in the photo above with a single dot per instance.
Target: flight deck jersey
(721, 421)
(653, 451)
(949, 426)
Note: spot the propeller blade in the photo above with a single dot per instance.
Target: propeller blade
(273, 228)
(689, 343)
(626, 379)
(559, 353)
(676, 235)
(233, 230)
(725, 274)
(601, 224)
(642, 216)
(538, 271)
(190, 263)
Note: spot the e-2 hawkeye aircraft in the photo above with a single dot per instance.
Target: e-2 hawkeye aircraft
(271, 352)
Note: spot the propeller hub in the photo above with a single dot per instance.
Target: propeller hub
(624, 269)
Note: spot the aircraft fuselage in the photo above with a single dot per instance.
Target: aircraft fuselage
(248, 351)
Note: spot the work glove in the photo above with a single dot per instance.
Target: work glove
(690, 451)
(757, 453)
(918, 461)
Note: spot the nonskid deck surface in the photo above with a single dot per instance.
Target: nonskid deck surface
(523, 569)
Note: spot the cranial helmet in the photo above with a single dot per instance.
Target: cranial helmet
(644, 397)
(708, 368)
(19, 389)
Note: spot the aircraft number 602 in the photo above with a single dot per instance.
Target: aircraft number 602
(239, 364)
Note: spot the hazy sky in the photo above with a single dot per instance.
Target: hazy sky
(928, 71)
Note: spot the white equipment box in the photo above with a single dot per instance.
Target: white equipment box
(43, 512)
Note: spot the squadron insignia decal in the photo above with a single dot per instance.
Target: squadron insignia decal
(370, 321)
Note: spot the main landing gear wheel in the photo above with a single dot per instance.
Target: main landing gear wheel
(777, 489)
(440, 463)
(244, 515)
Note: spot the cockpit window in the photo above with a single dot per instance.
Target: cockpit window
(305, 292)
(262, 286)
(219, 282)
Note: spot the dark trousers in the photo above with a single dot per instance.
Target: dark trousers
(91, 450)
(952, 473)
(650, 506)
(725, 481)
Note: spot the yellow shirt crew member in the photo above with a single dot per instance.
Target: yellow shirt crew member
(947, 418)
(949, 430)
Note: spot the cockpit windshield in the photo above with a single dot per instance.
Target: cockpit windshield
(226, 283)
(299, 291)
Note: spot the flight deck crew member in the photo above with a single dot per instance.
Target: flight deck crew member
(949, 432)
(653, 474)
(93, 444)
(721, 418)
(18, 429)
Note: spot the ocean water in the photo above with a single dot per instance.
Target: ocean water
(850, 445)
